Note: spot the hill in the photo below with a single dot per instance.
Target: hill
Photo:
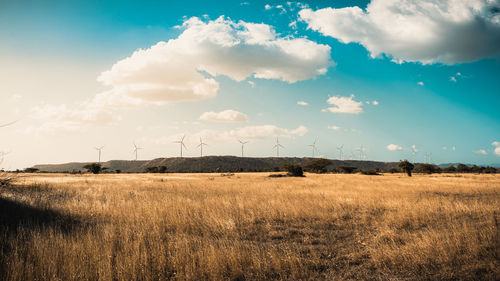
(211, 164)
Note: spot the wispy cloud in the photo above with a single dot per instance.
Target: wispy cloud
(224, 116)
(303, 103)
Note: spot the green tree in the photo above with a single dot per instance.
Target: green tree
(406, 167)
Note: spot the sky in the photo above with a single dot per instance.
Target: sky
(393, 79)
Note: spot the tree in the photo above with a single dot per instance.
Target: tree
(94, 168)
(427, 169)
(461, 168)
(293, 170)
(31, 170)
(406, 167)
(450, 169)
(317, 165)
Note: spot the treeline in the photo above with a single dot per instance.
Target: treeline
(319, 165)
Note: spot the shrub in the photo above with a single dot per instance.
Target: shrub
(427, 169)
(317, 165)
(346, 169)
(370, 173)
(450, 169)
(461, 168)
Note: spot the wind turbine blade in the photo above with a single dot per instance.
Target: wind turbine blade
(8, 124)
(184, 145)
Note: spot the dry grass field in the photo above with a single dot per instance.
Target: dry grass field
(250, 227)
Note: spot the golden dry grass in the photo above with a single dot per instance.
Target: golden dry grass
(250, 227)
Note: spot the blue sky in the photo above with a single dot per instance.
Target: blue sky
(438, 94)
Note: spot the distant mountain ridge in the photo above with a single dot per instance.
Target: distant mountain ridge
(208, 164)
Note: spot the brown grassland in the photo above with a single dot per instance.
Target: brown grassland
(250, 227)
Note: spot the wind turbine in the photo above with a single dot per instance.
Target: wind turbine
(339, 148)
(200, 146)
(99, 149)
(414, 151)
(181, 143)
(361, 150)
(277, 146)
(242, 146)
(136, 149)
(313, 147)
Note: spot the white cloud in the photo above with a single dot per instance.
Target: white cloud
(267, 7)
(427, 31)
(224, 116)
(453, 79)
(335, 128)
(394, 147)
(481, 152)
(247, 133)
(186, 68)
(252, 84)
(344, 105)
(63, 119)
(375, 102)
(444, 148)
(414, 148)
(453, 148)
(303, 103)
(420, 83)
(496, 144)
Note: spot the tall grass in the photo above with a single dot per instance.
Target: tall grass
(250, 227)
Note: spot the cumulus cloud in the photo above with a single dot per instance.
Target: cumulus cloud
(303, 103)
(420, 83)
(427, 31)
(481, 152)
(394, 147)
(345, 105)
(496, 144)
(185, 68)
(224, 116)
(375, 102)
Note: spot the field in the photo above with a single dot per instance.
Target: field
(250, 227)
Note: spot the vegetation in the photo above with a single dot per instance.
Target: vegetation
(406, 166)
(94, 168)
(293, 170)
(317, 165)
(427, 169)
(250, 227)
(159, 169)
(346, 169)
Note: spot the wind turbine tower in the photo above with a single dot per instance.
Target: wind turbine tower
(200, 146)
(313, 145)
(136, 149)
(339, 148)
(242, 146)
(277, 146)
(361, 152)
(181, 143)
(99, 149)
